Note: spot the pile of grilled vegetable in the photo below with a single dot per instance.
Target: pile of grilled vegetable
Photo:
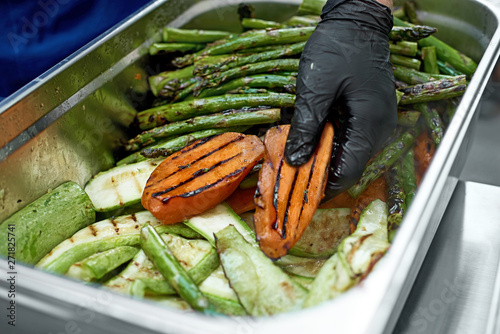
(204, 213)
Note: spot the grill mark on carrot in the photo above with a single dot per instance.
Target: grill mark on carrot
(276, 193)
(306, 199)
(216, 150)
(208, 186)
(180, 168)
(290, 194)
(201, 142)
(195, 175)
(258, 195)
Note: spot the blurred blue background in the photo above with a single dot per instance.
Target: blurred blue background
(36, 35)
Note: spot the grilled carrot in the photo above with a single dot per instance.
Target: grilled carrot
(424, 151)
(242, 200)
(287, 196)
(343, 200)
(200, 176)
(376, 190)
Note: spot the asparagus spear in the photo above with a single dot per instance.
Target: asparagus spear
(383, 161)
(158, 151)
(265, 81)
(182, 94)
(404, 48)
(405, 61)
(446, 69)
(409, 179)
(262, 38)
(411, 12)
(434, 90)
(172, 145)
(445, 52)
(216, 79)
(183, 110)
(433, 121)
(414, 77)
(206, 66)
(303, 21)
(395, 198)
(287, 73)
(158, 252)
(247, 90)
(160, 48)
(172, 89)
(156, 82)
(96, 266)
(270, 66)
(430, 60)
(188, 59)
(192, 36)
(259, 49)
(313, 7)
(250, 23)
(219, 120)
(408, 118)
(411, 34)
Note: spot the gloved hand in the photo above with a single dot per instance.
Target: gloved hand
(345, 64)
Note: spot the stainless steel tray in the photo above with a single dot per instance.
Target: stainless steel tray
(64, 125)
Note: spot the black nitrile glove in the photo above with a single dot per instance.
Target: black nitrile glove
(345, 64)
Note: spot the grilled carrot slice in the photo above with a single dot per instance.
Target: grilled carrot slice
(241, 200)
(200, 176)
(287, 196)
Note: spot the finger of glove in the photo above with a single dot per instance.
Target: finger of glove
(372, 119)
(318, 83)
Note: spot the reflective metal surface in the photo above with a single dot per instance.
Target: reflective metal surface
(71, 139)
(455, 289)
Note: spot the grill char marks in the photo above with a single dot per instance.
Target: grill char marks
(276, 192)
(201, 176)
(288, 196)
(288, 204)
(311, 164)
(196, 174)
(191, 155)
(213, 184)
